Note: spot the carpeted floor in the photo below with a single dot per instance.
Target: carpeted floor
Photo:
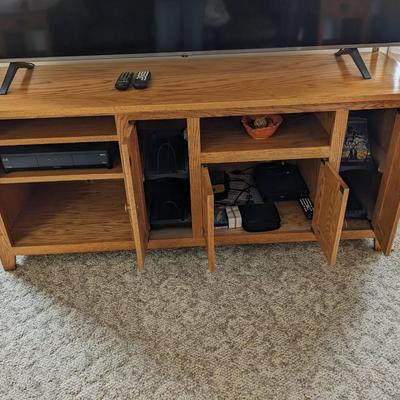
(273, 323)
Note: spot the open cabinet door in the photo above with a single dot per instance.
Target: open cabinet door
(330, 208)
(7, 256)
(387, 211)
(208, 217)
(136, 202)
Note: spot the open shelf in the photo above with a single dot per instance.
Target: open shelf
(294, 227)
(301, 136)
(71, 215)
(63, 175)
(57, 131)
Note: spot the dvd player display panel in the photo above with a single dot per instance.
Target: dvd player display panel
(54, 160)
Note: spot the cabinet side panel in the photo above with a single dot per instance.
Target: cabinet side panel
(387, 211)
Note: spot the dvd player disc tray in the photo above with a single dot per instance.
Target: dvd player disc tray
(64, 156)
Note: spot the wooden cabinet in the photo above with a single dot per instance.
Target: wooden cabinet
(47, 212)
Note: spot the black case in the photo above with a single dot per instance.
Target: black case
(280, 181)
(260, 217)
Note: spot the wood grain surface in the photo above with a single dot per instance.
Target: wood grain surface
(330, 207)
(57, 131)
(233, 85)
(301, 136)
(72, 214)
(387, 211)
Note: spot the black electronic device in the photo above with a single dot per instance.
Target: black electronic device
(63, 28)
(124, 81)
(260, 217)
(169, 202)
(64, 156)
(280, 181)
(142, 79)
(220, 184)
(60, 28)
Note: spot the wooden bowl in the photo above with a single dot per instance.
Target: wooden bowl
(261, 133)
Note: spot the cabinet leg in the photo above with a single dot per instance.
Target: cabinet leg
(9, 262)
(140, 261)
(377, 246)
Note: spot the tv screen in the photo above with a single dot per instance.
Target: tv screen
(58, 28)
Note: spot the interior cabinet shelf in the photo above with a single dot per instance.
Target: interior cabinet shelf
(357, 229)
(63, 175)
(294, 227)
(57, 131)
(72, 214)
(301, 136)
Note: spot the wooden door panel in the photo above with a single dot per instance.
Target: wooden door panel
(330, 208)
(387, 211)
(136, 202)
(208, 217)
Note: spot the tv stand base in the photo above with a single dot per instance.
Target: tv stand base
(358, 60)
(11, 71)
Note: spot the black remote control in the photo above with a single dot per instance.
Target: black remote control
(124, 81)
(142, 80)
(307, 206)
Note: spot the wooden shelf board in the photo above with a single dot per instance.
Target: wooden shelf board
(57, 131)
(173, 238)
(295, 227)
(63, 175)
(38, 249)
(301, 136)
(171, 233)
(82, 217)
(77, 215)
(357, 229)
(199, 86)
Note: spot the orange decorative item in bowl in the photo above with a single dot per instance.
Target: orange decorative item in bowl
(261, 127)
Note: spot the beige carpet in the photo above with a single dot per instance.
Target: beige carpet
(273, 323)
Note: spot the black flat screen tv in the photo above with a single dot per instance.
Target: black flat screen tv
(31, 29)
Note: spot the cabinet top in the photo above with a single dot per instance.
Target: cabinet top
(204, 86)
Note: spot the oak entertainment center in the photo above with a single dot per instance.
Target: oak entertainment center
(67, 211)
